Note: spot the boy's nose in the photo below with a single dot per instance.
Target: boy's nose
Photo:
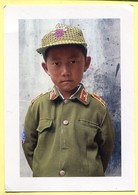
(65, 70)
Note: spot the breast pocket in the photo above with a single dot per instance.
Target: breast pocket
(44, 130)
(44, 125)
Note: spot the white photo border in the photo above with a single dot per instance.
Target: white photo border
(13, 181)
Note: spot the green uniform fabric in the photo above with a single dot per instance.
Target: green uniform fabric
(68, 137)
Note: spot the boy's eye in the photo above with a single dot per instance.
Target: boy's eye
(56, 63)
(73, 61)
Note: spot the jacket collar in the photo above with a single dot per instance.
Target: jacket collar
(81, 95)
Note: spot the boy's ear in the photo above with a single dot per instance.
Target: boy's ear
(87, 63)
(44, 65)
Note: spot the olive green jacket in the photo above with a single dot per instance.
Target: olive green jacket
(72, 137)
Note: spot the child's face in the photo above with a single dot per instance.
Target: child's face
(65, 66)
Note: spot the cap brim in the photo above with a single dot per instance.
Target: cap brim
(42, 50)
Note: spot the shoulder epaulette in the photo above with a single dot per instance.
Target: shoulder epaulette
(98, 98)
(41, 94)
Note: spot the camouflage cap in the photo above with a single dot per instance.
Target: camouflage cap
(62, 35)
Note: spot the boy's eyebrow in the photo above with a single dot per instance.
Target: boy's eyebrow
(73, 56)
(54, 58)
(70, 57)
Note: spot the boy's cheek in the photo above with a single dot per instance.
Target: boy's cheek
(54, 78)
(54, 72)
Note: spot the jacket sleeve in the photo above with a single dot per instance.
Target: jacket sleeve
(107, 139)
(29, 141)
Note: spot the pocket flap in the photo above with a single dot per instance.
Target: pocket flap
(89, 124)
(44, 124)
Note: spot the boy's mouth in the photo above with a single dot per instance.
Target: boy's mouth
(67, 81)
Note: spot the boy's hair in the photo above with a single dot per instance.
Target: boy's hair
(81, 47)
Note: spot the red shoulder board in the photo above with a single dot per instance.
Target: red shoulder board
(37, 97)
(98, 98)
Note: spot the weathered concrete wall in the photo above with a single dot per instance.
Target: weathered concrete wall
(103, 76)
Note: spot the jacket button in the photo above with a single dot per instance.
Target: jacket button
(65, 122)
(62, 172)
(66, 101)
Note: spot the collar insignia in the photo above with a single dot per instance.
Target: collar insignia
(84, 95)
(98, 98)
(52, 94)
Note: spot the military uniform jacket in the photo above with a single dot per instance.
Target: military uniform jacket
(71, 137)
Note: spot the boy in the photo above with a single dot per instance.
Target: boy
(67, 132)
